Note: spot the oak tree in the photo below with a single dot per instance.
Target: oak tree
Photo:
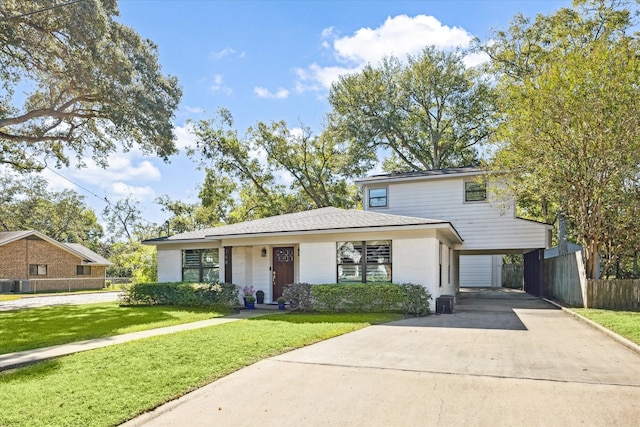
(75, 82)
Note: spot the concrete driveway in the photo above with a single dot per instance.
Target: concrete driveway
(503, 358)
(28, 301)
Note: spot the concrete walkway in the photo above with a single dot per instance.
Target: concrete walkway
(14, 360)
(502, 358)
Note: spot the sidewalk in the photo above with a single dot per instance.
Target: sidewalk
(15, 360)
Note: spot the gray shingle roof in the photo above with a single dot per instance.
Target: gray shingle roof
(88, 254)
(75, 248)
(328, 219)
(436, 173)
(10, 236)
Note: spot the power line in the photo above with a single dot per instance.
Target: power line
(44, 9)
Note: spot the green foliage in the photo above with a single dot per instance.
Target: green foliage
(240, 186)
(135, 260)
(370, 297)
(92, 84)
(182, 294)
(571, 133)
(415, 299)
(27, 204)
(357, 297)
(299, 295)
(430, 113)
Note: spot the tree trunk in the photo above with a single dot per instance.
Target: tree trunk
(592, 259)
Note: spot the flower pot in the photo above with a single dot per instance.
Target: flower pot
(280, 306)
(251, 305)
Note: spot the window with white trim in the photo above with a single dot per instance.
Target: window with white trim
(200, 265)
(475, 191)
(378, 197)
(364, 262)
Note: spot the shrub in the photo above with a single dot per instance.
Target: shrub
(182, 294)
(299, 295)
(357, 297)
(366, 297)
(415, 299)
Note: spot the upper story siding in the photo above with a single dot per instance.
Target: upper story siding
(483, 225)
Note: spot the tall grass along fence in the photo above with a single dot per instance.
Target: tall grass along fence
(565, 281)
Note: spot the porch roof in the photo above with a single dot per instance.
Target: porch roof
(318, 221)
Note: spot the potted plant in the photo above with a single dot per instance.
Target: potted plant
(250, 301)
(247, 291)
(281, 302)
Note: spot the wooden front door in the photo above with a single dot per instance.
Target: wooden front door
(282, 269)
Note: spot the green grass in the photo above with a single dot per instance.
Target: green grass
(9, 297)
(111, 385)
(625, 323)
(42, 327)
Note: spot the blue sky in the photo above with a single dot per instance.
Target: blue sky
(272, 60)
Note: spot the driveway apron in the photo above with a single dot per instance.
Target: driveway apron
(502, 357)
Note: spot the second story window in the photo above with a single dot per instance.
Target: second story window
(475, 191)
(377, 197)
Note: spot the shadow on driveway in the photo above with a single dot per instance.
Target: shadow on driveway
(483, 308)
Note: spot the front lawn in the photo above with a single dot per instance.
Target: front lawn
(625, 323)
(108, 386)
(42, 327)
(7, 297)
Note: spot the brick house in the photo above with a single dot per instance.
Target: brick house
(31, 261)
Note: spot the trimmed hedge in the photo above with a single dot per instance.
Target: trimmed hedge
(408, 298)
(224, 295)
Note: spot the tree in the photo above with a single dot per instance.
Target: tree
(93, 84)
(246, 176)
(27, 204)
(430, 113)
(188, 216)
(125, 222)
(571, 130)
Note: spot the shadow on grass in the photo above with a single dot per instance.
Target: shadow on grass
(41, 327)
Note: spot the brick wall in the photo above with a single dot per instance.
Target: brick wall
(15, 258)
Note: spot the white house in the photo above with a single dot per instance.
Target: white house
(414, 228)
(489, 228)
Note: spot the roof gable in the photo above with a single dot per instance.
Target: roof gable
(75, 249)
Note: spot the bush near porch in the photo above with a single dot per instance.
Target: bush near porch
(223, 295)
(371, 297)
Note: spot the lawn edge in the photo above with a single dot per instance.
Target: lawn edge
(622, 340)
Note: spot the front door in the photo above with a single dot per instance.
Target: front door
(282, 269)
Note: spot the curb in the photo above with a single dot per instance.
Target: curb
(622, 340)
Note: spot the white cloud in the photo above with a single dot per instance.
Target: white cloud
(120, 190)
(219, 87)
(399, 36)
(261, 92)
(193, 110)
(222, 53)
(184, 137)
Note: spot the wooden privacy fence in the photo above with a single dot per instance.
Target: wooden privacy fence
(613, 294)
(565, 281)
